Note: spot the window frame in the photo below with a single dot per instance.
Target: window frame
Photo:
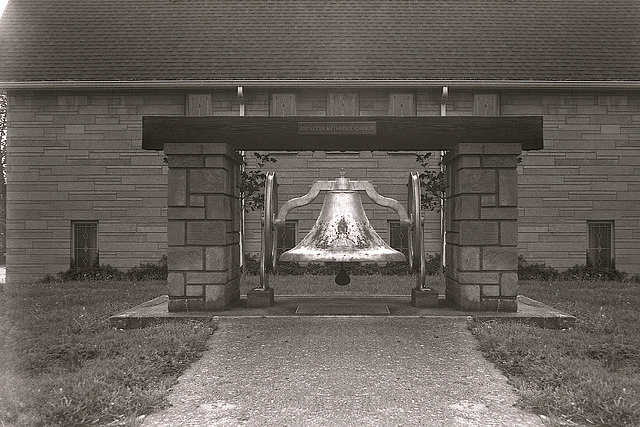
(391, 224)
(282, 249)
(74, 248)
(609, 226)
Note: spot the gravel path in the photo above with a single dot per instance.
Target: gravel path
(342, 371)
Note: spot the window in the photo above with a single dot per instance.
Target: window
(401, 104)
(284, 104)
(85, 244)
(343, 104)
(199, 104)
(600, 243)
(486, 104)
(287, 237)
(398, 237)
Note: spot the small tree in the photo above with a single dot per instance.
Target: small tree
(432, 184)
(432, 197)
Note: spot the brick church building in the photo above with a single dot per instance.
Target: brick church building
(81, 75)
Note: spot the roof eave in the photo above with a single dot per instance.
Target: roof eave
(370, 83)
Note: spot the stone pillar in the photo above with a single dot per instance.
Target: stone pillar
(203, 232)
(482, 226)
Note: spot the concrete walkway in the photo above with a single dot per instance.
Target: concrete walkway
(342, 371)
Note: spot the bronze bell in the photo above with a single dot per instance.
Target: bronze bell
(342, 232)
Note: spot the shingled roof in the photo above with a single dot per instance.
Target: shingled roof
(234, 40)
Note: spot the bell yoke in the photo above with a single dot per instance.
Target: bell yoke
(342, 233)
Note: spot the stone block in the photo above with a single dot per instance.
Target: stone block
(479, 278)
(488, 200)
(502, 148)
(501, 258)
(219, 206)
(468, 148)
(219, 162)
(176, 284)
(196, 201)
(500, 161)
(207, 233)
(184, 213)
(217, 258)
(206, 181)
(469, 298)
(215, 297)
(468, 258)
(185, 258)
(195, 291)
(466, 206)
(176, 235)
(206, 278)
(508, 187)
(177, 187)
(478, 233)
(259, 298)
(509, 284)
(509, 213)
(490, 291)
(468, 162)
(476, 181)
(424, 298)
(508, 233)
(191, 161)
(186, 304)
(499, 304)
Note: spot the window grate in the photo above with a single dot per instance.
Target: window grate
(85, 244)
(398, 237)
(286, 237)
(600, 250)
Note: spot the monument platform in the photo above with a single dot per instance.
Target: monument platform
(156, 310)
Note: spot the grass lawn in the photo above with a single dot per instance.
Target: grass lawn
(589, 375)
(62, 365)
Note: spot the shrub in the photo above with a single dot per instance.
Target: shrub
(591, 272)
(582, 272)
(252, 267)
(528, 271)
(157, 271)
(105, 272)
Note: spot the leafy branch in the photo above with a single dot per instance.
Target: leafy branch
(431, 182)
(252, 183)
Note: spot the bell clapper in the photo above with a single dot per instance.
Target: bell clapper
(342, 278)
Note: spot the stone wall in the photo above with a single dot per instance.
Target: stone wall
(77, 156)
(588, 170)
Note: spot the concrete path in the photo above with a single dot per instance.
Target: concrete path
(342, 371)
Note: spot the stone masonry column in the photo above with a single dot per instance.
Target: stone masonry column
(203, 233)
(482, 226)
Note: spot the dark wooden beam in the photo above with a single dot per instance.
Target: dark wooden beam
(342, 133)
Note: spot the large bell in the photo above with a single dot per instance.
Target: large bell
(342, 232)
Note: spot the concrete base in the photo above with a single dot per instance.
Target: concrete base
(155, 311)
(258, 298)
(424, 298)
